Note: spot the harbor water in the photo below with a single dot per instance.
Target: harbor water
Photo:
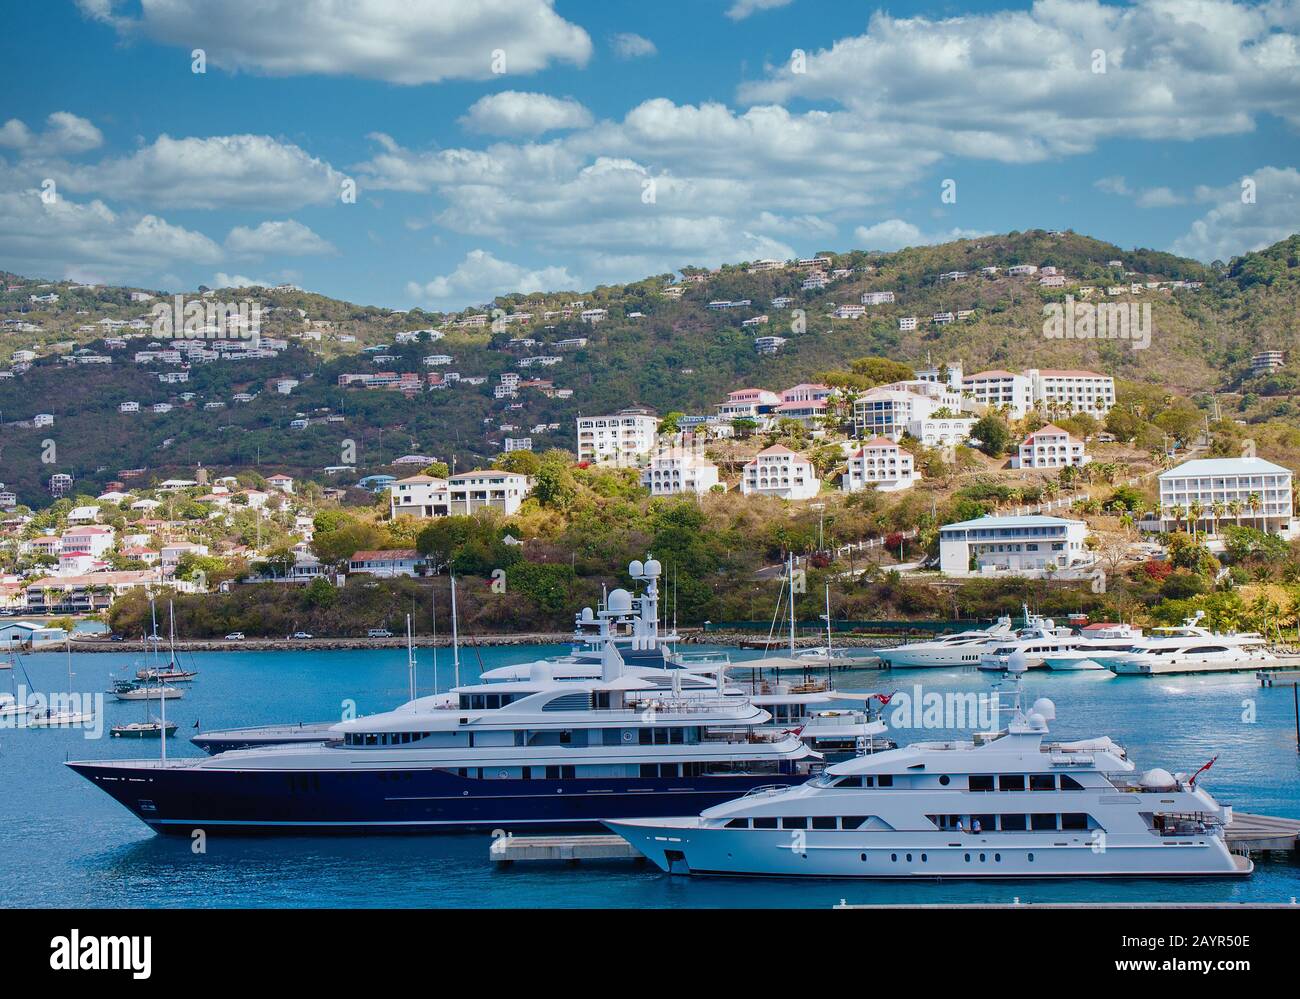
(63, 843)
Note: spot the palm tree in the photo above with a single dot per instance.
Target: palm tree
(1234, 508)
(1217, 508)
(1255, 503)
(1194, 511)
(1176, 512)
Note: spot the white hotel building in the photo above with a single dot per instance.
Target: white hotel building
(1017, 545)
(1224, 480)
(1072, 391)
(781, 473)
(623, 438)
(460, 495)
(1050, 447)
(879, 463)
(679, 471)
(997, 388)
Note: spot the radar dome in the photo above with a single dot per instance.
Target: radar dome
(620, 601)
(1037, 722)
(1045, 707)
(1157, 780)
(1016, 662)
(587, 615)
(653, 568)
(635, 569)
(539, 672)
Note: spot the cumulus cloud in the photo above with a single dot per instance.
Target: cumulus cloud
(741, 9)
(75, 240)
(1020, 85)
(1237, 224)
(393, 40)
(512, 112)
(627, 45)
(1147, 197)
(241, 171)
(223, 280)
(895, 234)
(64, 134)
(482, 276)
(288, 238)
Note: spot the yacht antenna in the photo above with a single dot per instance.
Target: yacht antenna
(433, 614)
(455, 637)
(790, 556)
(410, 656)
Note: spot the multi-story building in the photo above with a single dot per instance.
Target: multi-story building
(879, 464)
(1072, 391)
(997, 388)
(623, 438)
(748, 404)
(1050, 447)
(886, 412)
(1249, 491)
(93, 540)
(906, 323)
(941, 431)
(877, 297)
(782, 473)
(679, 470)
(419, 496)
(769, 344)
(487, 489)
(1266, 362)
(1019, 545)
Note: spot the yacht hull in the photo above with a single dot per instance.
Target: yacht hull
(180, 799)
(679, 848)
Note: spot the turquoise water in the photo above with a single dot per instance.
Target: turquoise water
(62, 843)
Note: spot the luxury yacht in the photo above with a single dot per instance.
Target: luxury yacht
(1007, 804)
(1045, 644)
(1189, 648)
(961, 649)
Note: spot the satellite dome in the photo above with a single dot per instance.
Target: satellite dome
(620, 601)
(1037, 722)
(1016, 662)
(587, 615)
(540, 672)
(1157, 780)
(653, 568)
(1045, 707)
(635, 569)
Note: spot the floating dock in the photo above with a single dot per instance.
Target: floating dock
(1278, 677)
(562, 849)
(1248, 833)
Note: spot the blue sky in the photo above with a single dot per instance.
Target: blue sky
(623, 139)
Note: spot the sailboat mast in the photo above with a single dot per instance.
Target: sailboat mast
(433, 613)
(790, 559)
(455, 636)
(410, 656)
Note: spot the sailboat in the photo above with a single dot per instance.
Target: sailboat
(11, 709)
(67, 715)
(172, 672)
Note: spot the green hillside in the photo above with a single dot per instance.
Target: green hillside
(679, 355)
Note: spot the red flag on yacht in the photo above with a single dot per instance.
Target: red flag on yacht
(884, 698)
(1192, 782)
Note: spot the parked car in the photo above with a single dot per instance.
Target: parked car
(235, 636)
(379, 633)
(300, 635)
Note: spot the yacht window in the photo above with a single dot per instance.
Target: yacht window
(1042, 782)
(790, 822)
(987, 823)
(765, 823)
(1074, 821)
(945, 780)
(981, 782)
(737, 824)
(1068, 783)
(885, 780)
(849, 782)
(853, 821)
(1013, 823)
(1011, 782)
(1042, 821)
(823, 822)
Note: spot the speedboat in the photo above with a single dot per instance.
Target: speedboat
(1009, 803)
(1190, 648)
(961, 649)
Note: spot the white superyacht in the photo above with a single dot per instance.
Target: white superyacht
(1006, 804)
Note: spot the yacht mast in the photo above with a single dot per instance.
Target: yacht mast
(433, 605)
(455, 637)
(162, 692)
(790, 560)
(410, 656)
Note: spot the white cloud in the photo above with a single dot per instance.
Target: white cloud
(393, 40)
(512, 112)
(895, 234)
(482, 276)
(288, 238)
(1233, 226)
(741, 9)
(223, 280)
(65, 134)
(73, 239)
(1147, 197)
(1019, 85)
(245, 171)
(628, 45)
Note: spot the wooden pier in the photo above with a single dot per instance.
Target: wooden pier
(1248, 833)
(562, 849)
(1278, 677)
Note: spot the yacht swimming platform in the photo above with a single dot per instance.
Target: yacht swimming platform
(561, 849)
